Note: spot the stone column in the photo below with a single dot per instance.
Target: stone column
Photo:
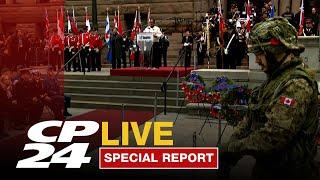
(224, 7)
(283, 6)
(94, 14)
(296, 6)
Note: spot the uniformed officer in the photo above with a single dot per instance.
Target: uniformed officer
(280, 128)
(85, 52)
(74, 48)
(96, 46)
(67, 53)
(308, 29)
(56, 46)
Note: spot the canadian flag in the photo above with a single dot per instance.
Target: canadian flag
(60, 23)
(115, 19)
(69, 22)
(248, 9)
(87, 20)
(287, 101)
(149, 15)
(120, 30)
(47, 25)
(301, 23)
(74, 25)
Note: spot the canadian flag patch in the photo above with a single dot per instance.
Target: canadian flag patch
(287, 101)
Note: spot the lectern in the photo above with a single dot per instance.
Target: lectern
(145, 42)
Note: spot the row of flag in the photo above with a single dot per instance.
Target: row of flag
(72, 25)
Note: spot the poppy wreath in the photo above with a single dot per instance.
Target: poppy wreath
(232, 96)
(193, 88)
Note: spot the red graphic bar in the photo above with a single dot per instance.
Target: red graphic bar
(158, 158)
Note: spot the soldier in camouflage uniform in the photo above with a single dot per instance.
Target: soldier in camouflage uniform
(280, 128)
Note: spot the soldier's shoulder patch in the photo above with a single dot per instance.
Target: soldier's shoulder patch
(286, 101)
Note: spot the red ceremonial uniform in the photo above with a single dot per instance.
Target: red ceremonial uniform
(96, 46)
(73, 42)
(57, 47)
(56, 42)
(95, 41)
(85, 39)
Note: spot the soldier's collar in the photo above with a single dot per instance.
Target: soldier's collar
(295, 61)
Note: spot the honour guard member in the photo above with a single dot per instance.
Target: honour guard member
(96, 46)
(56, 46)
(85, 52)
(308, 29)
(67, 52)
(74, 48)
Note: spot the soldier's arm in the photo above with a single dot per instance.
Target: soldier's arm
(241, 130)
(284, 120)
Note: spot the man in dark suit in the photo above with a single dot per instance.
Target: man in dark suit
(116, 43)
(187, 42)
(164, 44)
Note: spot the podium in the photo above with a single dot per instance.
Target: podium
(145, 42)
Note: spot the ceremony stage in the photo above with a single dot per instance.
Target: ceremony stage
(142, 72)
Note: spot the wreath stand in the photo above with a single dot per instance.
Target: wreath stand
(219, 122)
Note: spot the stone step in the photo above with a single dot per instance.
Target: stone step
(108, 105)
(121, 78)
(150, 100)
(120, 91)
(118, 84)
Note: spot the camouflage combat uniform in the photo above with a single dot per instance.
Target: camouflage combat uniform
(279, 131)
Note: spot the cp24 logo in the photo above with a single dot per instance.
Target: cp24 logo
(45, 150)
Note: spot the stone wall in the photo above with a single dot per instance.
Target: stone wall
(311, 54)
(27, 15)
(162, 10)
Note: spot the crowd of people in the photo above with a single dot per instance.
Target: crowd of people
(21, 48)
(25, 93)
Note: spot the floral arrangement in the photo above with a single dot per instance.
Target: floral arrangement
(224, 96)
(193, 88)
(232, 98)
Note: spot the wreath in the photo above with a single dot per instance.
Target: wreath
(228, 101)
(193, 88)
(234, 99)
